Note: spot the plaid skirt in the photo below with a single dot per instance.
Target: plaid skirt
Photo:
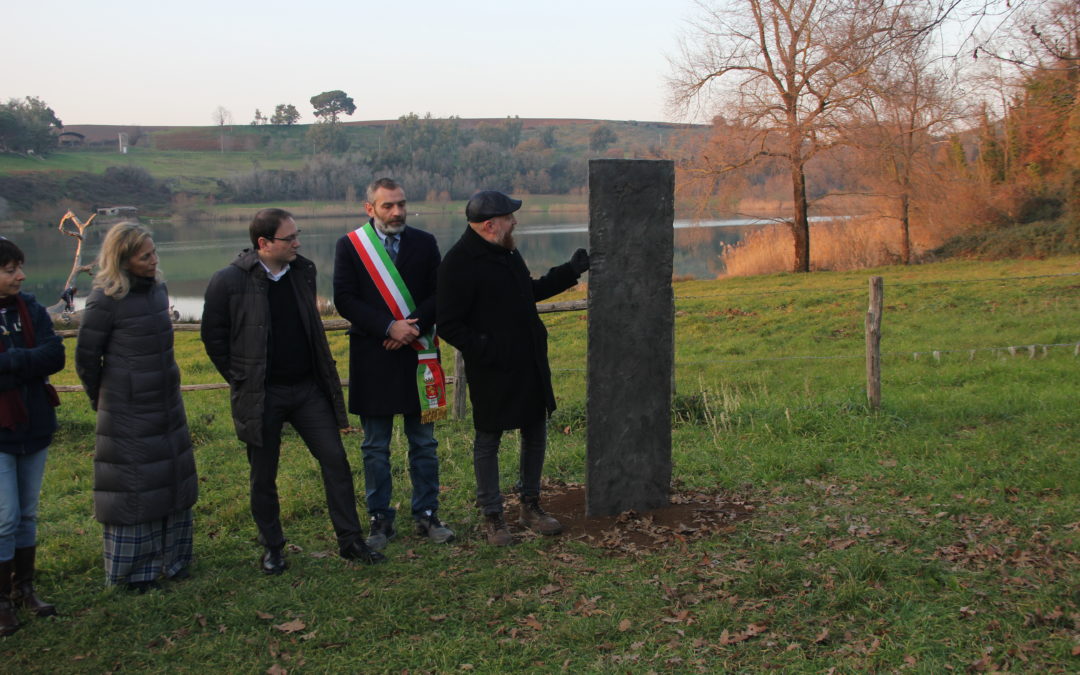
(146, 551)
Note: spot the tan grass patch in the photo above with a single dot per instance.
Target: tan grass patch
(843, 244)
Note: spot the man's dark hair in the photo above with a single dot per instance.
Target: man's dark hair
(385, 184)
(266, 223)
(10, 253)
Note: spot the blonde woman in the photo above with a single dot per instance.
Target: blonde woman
(144, 467)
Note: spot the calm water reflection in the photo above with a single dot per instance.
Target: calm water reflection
(191, 254)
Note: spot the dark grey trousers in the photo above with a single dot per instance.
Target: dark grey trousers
(486, 464)
(310, 412)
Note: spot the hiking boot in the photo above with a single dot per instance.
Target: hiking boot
(536, 519)
(382, 532)
(428, 525)
(273, 560)
(497, 532)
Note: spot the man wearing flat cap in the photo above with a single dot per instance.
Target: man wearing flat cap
(486, 308)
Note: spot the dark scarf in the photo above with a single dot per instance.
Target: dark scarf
(13, 412)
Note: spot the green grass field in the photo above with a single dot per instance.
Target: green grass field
(939, 534)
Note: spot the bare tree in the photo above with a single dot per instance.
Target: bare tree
(1038, 35)
(907, 100)
(222, 118)
(790, 70)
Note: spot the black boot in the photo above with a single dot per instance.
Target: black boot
(23, 581)
(9, 623)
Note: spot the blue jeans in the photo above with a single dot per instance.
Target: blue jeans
(20, 488)
(423, 464)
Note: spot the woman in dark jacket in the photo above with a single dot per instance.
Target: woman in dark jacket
(144, 467)
(29, 352)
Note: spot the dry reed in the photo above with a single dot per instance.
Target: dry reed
(843, 244)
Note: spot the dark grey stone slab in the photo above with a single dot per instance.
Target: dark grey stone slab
(631, 321)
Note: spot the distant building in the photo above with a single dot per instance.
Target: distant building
(118, 211)
(70, 139)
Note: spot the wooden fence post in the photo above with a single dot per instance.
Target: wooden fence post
(873, 343)
(459, 385)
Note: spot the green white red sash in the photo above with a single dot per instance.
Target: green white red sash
(430, 381)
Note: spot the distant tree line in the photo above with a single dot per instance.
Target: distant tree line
(435, 158)
(116, 185)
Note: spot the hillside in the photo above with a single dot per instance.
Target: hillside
(207, 138)
(163, 169)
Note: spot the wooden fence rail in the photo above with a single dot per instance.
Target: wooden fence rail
(458, 380)
(873, 350)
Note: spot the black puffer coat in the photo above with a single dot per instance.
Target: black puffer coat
(486, 308)
(236, 335)
(144, 464)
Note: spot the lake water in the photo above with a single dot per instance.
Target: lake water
(190, 254)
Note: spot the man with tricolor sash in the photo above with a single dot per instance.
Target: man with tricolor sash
(384, 284)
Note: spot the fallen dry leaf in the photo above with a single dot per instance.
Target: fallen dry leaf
(624, 625)
(263, 615)
(294, 626)
(276, 670)
(532, 622)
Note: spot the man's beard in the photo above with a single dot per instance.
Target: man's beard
(507, 241)
(387, 228)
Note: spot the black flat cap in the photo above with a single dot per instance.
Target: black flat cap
(489, 204)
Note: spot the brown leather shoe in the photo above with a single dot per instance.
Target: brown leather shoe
(497, 532)
(537, 519)
(23, 582)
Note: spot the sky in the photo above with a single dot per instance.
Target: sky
(173, 63)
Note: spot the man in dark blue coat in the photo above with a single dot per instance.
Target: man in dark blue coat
(487, 310)
(375, 269)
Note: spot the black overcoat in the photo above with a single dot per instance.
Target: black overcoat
(381, 381)
(487, 310)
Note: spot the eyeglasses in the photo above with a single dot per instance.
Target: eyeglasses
(290, 239)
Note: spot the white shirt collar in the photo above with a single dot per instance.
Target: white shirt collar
(274, 277)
